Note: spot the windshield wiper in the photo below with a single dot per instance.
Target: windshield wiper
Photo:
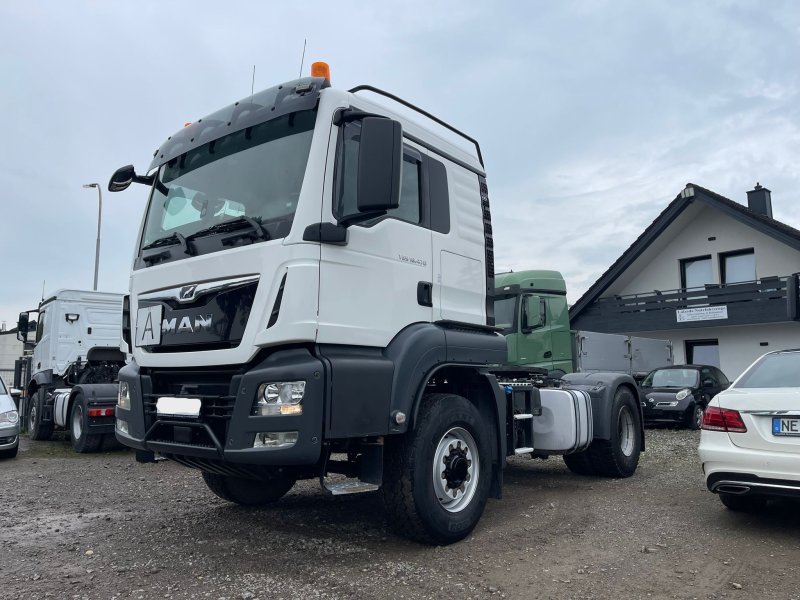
(257, 230)
(169, 240)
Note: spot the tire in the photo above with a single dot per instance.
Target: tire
(82, 442)
(9, 453)
(743, 503)
(450, 446)
(694, 417)
(37, 430)
(249, 492)
(619, 456)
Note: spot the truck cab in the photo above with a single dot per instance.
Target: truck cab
(531, 309)
(73, 365)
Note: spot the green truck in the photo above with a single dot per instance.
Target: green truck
(531, 309)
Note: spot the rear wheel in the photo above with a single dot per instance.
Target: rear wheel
(694, 417)
(619, 456)
(249, 492)
(436, 478)
(82, 441)
(37, 429)
(743, 503)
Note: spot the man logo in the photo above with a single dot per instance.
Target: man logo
(187, 292)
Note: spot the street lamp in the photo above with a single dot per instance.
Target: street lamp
(99, 218)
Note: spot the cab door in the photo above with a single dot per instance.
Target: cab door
(379, 281)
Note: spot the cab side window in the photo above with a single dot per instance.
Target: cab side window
(40, 326)
(346, 201)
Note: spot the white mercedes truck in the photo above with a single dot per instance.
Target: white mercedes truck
(312, 296)
(71, 382)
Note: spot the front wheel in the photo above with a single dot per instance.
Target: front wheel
(437, 477)
(694, 417)
(38, 429)
(619, 456)
(82, 442)
(249, 492)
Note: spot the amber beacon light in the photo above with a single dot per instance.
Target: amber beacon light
(321, 69)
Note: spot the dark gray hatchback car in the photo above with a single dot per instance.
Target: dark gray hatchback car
(680, 394)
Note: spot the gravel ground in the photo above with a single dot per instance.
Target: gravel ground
(103, 526)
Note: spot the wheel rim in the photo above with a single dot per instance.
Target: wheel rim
(456, 469)
(32, 418)
(77, 422)
(698, 416)
(626, 431)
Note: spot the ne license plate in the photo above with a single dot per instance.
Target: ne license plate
(786, 426)
(168, 406)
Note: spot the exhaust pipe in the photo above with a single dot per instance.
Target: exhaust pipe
(732, 488)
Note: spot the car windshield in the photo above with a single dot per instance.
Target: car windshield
(677, 378)
(255, 173)
(504, 310)
(780, 370)
(3, 390)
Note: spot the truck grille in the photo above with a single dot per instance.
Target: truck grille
(216, 389)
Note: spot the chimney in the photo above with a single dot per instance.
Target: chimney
(759, 200)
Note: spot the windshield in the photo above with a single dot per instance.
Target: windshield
(773, 371)
(255, 173)
(677, 378)
(3, 391)
(504, 311)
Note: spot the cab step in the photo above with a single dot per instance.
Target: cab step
(349, 486)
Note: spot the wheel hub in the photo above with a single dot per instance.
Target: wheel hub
(456, 466)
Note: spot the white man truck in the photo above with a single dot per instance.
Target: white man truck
(312, 297)
(72, 380)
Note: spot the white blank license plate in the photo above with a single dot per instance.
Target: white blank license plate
(178, 407)
(785, 426)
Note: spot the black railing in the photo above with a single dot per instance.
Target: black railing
(761, 301)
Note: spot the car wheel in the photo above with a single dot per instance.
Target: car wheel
(694, 417)
(436, 478)
(250, 492)
(37, 428)
(740, 503)
(82, 442)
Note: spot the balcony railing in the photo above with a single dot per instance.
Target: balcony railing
(760, 301)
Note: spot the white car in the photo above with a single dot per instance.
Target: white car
(9, 424)
(750, 438)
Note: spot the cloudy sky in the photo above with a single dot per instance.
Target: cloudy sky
(592, 115)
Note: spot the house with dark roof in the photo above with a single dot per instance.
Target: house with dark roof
(716, 277)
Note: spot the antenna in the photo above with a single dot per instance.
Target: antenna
(43, 281)
(253, 84)
(303, 59)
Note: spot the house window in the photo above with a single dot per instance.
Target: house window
(702, 352)
(696, 272)
(739, 266)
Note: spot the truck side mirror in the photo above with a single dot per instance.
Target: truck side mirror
(121, 178)
(380, 157)
(532, 317)
(22, 327)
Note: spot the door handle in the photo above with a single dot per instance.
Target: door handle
(425, 293)
(548, 354)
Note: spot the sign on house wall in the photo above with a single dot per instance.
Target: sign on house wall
(702, 313)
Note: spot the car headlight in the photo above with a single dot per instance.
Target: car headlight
(9, 418)
(683, 394)
(279, 398)
(124, 397)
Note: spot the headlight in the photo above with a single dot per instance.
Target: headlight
(124, 397)
(9, 418)
(683, 394)
(279, 398)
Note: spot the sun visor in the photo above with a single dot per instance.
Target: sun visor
(301, 94)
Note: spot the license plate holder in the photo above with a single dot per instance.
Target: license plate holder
(786, 426)
(172, 406)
